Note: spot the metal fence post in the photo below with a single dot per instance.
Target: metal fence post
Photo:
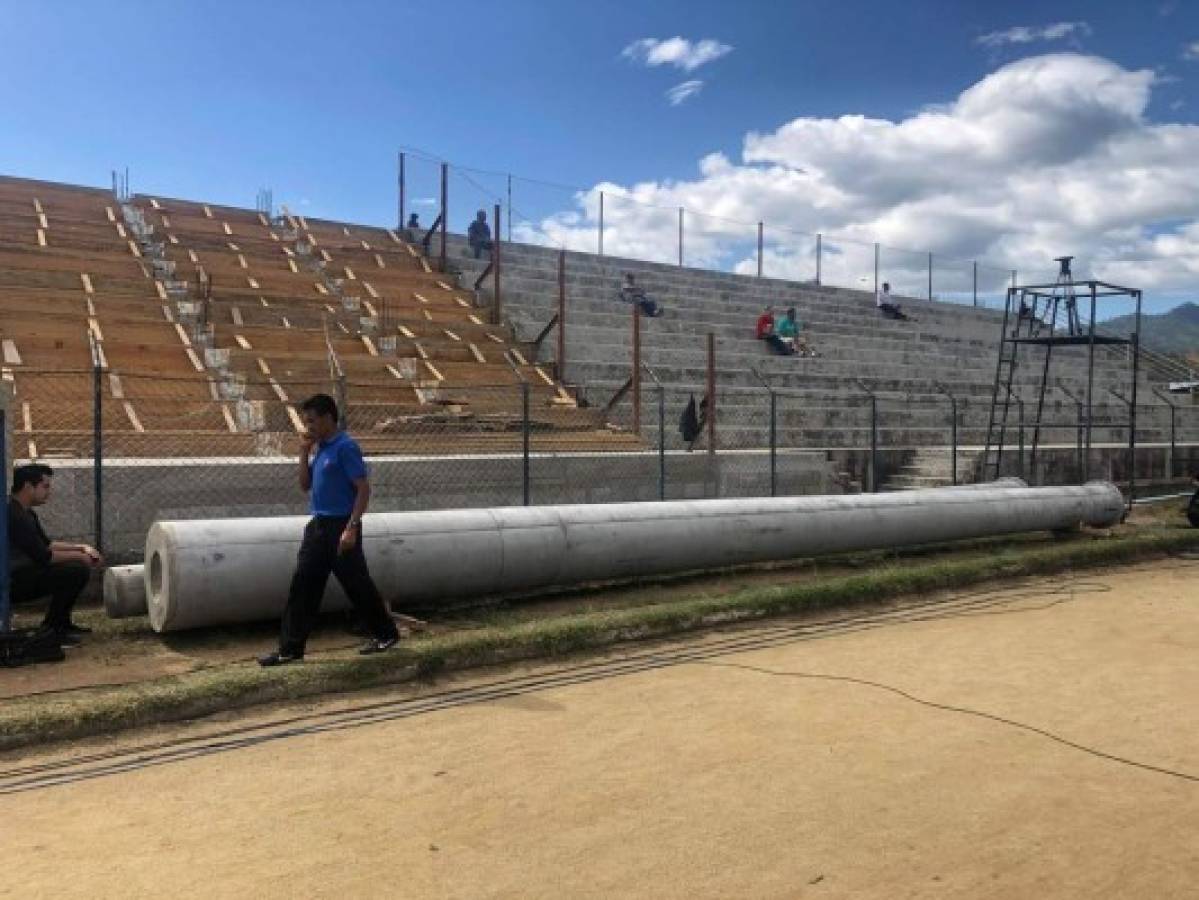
(873, 444)
(561, 312)
(445, 210)
(98, 457)
(773, 444)
(636, 373)
(760, 227)
(680, 237)
(819, 255)
(498, 307)
(976, 282)
(5, 597)
(1020, 408)
(601, 224)
(876, 253)
(524, 405)
(711, 392)
(403, 187)
(930, 276)
(661, 442)
(953, 438)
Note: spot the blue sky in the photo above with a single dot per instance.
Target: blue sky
(216, 99)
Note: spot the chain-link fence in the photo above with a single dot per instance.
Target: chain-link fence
(129, 449)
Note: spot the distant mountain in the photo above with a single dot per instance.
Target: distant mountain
(1175, 332)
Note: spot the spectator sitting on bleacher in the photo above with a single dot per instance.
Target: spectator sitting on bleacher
(633, 293)
(788, 330)
(886, 305)
(479, 235)
(413, 222)
(765, 326)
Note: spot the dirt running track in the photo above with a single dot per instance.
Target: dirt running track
(698, 779)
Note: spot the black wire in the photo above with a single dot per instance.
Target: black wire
(970, 603)
(948, 707)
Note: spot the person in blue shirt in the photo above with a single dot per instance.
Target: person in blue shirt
(333, 472)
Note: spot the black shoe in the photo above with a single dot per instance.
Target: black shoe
(279, 658)
(379, 645)
(76, 629)
(66, 639)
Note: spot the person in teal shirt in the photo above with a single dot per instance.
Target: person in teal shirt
(788, 330)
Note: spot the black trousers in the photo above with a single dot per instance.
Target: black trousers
(317, 560)
(61, 582)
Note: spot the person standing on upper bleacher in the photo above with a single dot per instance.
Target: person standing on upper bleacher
(632, 292)
(479, 235)
(886, 303)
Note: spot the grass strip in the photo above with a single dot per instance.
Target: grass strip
(61, 717)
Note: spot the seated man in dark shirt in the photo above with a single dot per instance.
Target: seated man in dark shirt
(479, 235)
(631, 292)
(40, 567)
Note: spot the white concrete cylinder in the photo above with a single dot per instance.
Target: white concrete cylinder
(124, 592)
(207, 572)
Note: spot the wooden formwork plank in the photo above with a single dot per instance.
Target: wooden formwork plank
(242, 342)
(241, 261)
(121, 231)
(133, 419)
(424, 264)
(108, 211)
(365, 246)
(350, 276)
(379, 261)
(262, 219)
(41, 238)
(183, 338)
(420, 297)
(331, 309)
(207, 211)
(93, 325)
(33, 454)
(394, 371)
(287, 251)
(291, 263)
(115, 387)
(41, 221)
(411, 250)
(406, 332)
(475, 319)
(478, 354)
(235, 315)
(346, 231)
(195, 360)
(172, 239)
(433, 370)
(420, 351)
(274, 237)
(160, 288)
(253, 282)
(166, 222)
(428, 315)
(443, 285)
(37, 205)
(91, 307)
(262, 300)
(27, 415)
(11, 356)
(286, 322)
(395, 237)
(370, 289)
(326, 256)
(451, 335)
(279, 392)
(263, 367)
(296, 421)
(498, 340)
(154, 202)
(228, 230)
(233, 247)
(191, 254)
(230, 422)
(370, 308)
(540, 371)
(166, 313)
(461, 302)
(519, 357)
(320, 289)
(303, 222)
(87, 283)
(134, 250)
(370, 345)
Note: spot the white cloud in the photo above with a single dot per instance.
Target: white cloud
(1191, 51)
(1027, 34)
(682, 92)
(676, 51)
(1047, 155)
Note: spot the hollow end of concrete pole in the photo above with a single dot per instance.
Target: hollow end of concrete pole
(157, 576)
(124, 592)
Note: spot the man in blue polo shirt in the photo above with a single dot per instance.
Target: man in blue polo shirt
(336, 477)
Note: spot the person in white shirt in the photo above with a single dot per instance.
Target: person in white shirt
(886, 304)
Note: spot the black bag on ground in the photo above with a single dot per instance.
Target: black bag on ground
(689, 422)
(25, 646)
(1193, 510)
